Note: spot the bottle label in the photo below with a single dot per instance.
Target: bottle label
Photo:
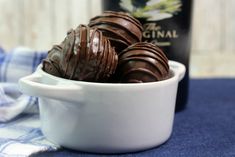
(155, 34)
(151, 13)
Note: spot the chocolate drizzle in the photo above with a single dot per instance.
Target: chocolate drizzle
(142, 62)
(85, 54)
(120, 28)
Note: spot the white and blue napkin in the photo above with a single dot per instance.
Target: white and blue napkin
(20, 133)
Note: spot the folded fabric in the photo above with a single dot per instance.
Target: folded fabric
(20, 133)
(13, 65)
(22, 137)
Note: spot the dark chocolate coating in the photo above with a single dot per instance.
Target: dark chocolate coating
(85, 55)
(142, 62)
(120, 28)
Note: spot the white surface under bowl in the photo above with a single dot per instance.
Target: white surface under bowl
(105, 117)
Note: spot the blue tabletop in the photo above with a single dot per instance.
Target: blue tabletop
(206, 128)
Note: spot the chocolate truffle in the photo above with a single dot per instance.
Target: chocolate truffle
(142, 62)
(120, 28)
(85, 55)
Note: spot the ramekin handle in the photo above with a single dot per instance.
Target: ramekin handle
(32, 85)
(179, 68)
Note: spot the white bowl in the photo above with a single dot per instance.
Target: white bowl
(105, 117)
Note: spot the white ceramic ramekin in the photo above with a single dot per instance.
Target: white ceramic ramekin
(105, 117)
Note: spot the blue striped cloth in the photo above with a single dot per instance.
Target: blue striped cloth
(20, 133)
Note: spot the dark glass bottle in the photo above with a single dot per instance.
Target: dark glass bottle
(167, 23)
